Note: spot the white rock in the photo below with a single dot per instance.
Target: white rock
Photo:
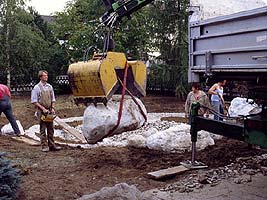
(152, 117)
(215, 136)
(31, 132)
(178, 139)
(8, 130)
(99, 121)
(204, 139)
(159, 135)
(120, 191)
(242, 106)
(138, 141)
(168, 140)
(34, 130)
(149, 132)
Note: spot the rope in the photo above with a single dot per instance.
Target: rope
(111, 132)
(135, 101)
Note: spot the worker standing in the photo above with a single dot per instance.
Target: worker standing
(217, 100)
(197, 95)
(43, 97)
(6, 108)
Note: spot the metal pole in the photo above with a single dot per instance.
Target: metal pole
(193, 157)
(193, 130)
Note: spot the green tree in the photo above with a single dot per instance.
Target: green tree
(160, 27)
(78, 28)
(56, 57)
(28, 44)
(8, 11)
(168, 22)
(76, 25)
(133, 35)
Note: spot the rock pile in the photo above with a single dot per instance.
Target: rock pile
(160, 135)
(239, 172)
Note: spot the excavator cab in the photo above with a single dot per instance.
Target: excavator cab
(96, 80)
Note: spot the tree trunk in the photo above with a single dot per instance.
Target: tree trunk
(8, 65)
(8, 58)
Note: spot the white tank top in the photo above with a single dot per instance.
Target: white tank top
(215, 97)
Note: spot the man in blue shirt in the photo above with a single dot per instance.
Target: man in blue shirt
(43, 98)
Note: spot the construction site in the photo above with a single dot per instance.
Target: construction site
(75, 171)
(114, 137)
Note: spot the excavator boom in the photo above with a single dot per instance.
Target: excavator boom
(119, 9)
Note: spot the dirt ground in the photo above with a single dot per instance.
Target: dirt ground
(73, 172)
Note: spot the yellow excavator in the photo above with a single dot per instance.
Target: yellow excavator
(106, 74)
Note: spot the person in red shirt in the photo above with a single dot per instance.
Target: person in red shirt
(5, 107)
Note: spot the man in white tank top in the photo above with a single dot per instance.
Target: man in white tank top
(217, 100)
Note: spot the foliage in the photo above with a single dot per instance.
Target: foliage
(61, 88)
(160, 77)
(182, 87)
(9, 179)
(161, 27)
(170, 39)
(78, 28)
(163, 79)
(133, 36)
(76, 25)
(20, 39)
(28, 44)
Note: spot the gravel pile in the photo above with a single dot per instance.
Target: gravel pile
(239, 172)
(148, 128)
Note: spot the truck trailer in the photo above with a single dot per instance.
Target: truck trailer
(232, 47)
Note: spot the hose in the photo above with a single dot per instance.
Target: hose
(85, 55)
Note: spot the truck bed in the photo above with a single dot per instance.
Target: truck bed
(233, 47)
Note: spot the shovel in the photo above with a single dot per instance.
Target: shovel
(224, 106)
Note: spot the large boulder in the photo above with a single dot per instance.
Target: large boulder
(242, 107)
(99, 121)
(8, 130)
(177, 139)
(121, 191)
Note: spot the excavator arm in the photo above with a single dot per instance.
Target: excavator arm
(116, 10)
